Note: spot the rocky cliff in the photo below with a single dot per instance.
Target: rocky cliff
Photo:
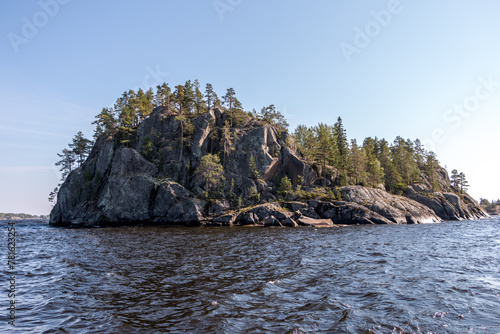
(150, 178)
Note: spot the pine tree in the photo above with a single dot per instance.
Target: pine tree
(463, 183)
(53, 194)
(81, 147)
(105, 122)
(324, 150)
(211, 172)
(211, 96)
(254, 173)
(67, 162)
(189, 97)
(342, 148)
(305, 140)
(431, 170)
(357, 163)
(234, 108)
(455, 180)
(404, 160)
(272, 116)
(227, 138)
(200, 104)
(163, 96)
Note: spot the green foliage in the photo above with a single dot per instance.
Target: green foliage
(300, 182)
(459, 181)
(227, 138)
(341, 144)
(231, 191)
(212, 98)
(399, 188)
(254, 173)
(285, 186)
(305, 139)
(147, 148)
(375, 162)
(211, 172)
(490, 207)
(272, 116)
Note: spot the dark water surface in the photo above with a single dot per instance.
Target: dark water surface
(441, 278)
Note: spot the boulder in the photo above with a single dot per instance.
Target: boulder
(264, 210)
(271, 221)
(217, 208)
(226, 220)
(289, 222)
(398, 209)
(346, 213)
(306, 221)
(294, 206)
(247, 218)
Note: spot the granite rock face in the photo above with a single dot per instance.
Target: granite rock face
(119, 187)
(447, 205)
(124, 184)
(150, 179)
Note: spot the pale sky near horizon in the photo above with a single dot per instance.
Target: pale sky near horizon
(418, 69)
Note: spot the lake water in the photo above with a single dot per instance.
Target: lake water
(441, 278)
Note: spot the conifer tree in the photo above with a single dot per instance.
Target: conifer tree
(163, 96)
(199, 102)
(81, 147)
(254, 173)
(212, 173)
(342, 149)
(455, 179)
(227, 138)
(463, 183)
(324, 150)
(305, 139)
(105, 123)
(234, 108)
(431, 169)
(272, 116)
(211, 96)
(357, 163)
(67, 162)
(189, 97)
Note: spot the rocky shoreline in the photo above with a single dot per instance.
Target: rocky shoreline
(120, 184)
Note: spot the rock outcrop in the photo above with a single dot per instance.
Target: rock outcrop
(117, 186)
(150, 177)
(123, 183)
(447, 205)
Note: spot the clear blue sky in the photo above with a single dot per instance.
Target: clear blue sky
(419, 69)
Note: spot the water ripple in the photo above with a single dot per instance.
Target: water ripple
(440, 278)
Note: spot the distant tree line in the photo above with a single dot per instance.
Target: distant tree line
(4, 216)
(490, 207)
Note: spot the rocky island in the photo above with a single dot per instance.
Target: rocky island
(185, 158)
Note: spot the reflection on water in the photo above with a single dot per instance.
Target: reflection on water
(440, 278)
